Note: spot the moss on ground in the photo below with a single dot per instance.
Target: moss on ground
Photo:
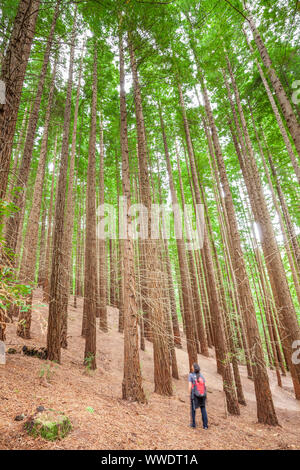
(49, 424)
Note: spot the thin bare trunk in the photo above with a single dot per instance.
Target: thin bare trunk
(183, 266)
(46, 274)
(69, 220)
(286, 107)
(56, 291)
(217, 320)
(265, 407)
(28, 264)
(277, 116)
(272, 256)
(90, 276)
(102, 251)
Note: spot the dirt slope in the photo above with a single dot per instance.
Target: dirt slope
(101, 420)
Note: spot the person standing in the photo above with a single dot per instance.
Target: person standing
(197, 391)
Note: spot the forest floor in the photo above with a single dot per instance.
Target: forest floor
(102, 420)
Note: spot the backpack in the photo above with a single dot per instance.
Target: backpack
(199, 388)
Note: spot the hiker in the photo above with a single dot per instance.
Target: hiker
(197, 391)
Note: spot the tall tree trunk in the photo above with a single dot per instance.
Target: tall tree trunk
(268, 313)
(285, 214)
(228, 322)
(78, 257)
(139, 263)
(265, 407)
(132, 380)
(56, 290)
(193, 276)
(175, 323)
(272, 256)
(90, 276)
(286, 107)
(162, 373)
(69, 220)
(120, 265)
(102, 251)
(220, 340)
(289, 225)
(12, 74)
(277, 116)
(227, 236)
(28, 265)
(144, 292)
(113, 273)
(21, 138)
(164, 255)
(183, 265)
(42, 250)
(13, 225)
(46, 273)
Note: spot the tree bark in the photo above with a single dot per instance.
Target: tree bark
(217, 320)
(56, 291)
(12, 74)
(286, 107)
(102, 251)
(90, 276)
(28, 265)
(132, 388)
(69, 220)
(277, 116)
(282, 296)
(162, 373)
(46, 273)
(13, 225)
(183, 265)
(265, 407)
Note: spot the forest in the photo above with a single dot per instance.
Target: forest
(149, 222)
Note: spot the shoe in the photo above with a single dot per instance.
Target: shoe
(205, 427)
(192, 425)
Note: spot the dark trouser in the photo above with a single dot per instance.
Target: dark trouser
(203, 413)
